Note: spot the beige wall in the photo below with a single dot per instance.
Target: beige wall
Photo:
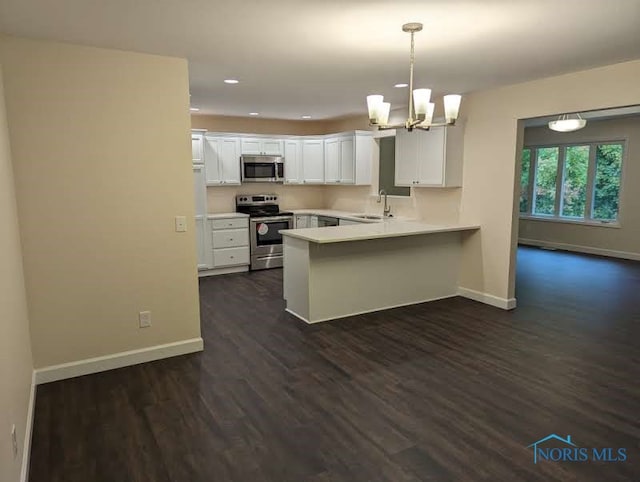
(257, 125)
(222, 199)
(626, 240)
(493, 140)
(100, 141)
(16, 364)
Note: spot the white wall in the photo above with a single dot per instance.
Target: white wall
(16, 364)
(624, 241)
(101, 153)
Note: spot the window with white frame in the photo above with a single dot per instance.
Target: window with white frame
(576, 182)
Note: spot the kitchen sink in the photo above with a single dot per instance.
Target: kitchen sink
(368, 216)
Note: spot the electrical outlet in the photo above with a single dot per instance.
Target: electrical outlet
(14, 441)
(145, 319)
(181, 224)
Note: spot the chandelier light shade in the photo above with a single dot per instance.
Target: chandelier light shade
(420, 106)
(568, 123)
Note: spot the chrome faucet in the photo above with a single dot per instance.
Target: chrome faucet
(387, 208)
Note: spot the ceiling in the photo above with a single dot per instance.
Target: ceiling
(321, 58)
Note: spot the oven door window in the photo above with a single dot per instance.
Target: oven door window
(259, 170)
(267, 232)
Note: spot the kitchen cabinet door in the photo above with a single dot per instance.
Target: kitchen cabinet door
(250, 146)
(293, 162)
(332, 161)
(261, 146)
(203, 243)
(229, 161)
(431, 158)
(301, 221)
(272, 147)
(406, 158)
(197, 148)
(200, 189)
(212, 161)
(313, 161)
(347, 161)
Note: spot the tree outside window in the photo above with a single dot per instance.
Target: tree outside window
(577, 182)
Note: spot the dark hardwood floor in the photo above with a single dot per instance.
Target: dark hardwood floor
(446, 391)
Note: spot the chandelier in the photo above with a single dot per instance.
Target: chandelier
(568, 123)
(420, 107)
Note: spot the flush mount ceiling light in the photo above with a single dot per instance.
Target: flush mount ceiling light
(401, 86)
(420, 107)
(254, 113)
(306, 117)
(194, 109)
(568, 123)
(231, 81)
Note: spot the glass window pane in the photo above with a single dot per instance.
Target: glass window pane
(524, 181)
(606, 196)
(574, 188)
(546, 178)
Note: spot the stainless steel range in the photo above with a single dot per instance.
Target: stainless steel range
(265, 222)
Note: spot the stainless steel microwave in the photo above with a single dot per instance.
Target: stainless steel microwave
(262, 168)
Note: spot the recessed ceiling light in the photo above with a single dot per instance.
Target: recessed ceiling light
(194, 109)
(254, 113)
(306, 117)
(231, 81)
(400, 86)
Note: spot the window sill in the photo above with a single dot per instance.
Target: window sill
(599, 224)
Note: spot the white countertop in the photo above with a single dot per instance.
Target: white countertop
(227, 215)
(347, 215)
(359, 232)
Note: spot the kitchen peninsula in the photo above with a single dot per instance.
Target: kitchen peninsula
(339, 271)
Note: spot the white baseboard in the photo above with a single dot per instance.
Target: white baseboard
(581, 249)
(367, 311)
(117, 360)
(28, 432)
(487, 299)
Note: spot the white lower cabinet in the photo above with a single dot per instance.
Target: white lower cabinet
(230, 238)
(225, 257)
(203, 243)
(227, 244)
(301, 221)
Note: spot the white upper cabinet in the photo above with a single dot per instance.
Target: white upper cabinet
(313, 161)
(261, 146)
(222, 160)
(430, 158)
(348, 161)
(348, 158)
(343, 158)
(197, 147)
(293, 161)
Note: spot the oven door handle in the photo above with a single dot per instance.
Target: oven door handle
(272, 218)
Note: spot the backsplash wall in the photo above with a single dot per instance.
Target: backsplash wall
(222, 199)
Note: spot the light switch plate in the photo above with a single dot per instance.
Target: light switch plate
(181, 224)
(144, 317)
